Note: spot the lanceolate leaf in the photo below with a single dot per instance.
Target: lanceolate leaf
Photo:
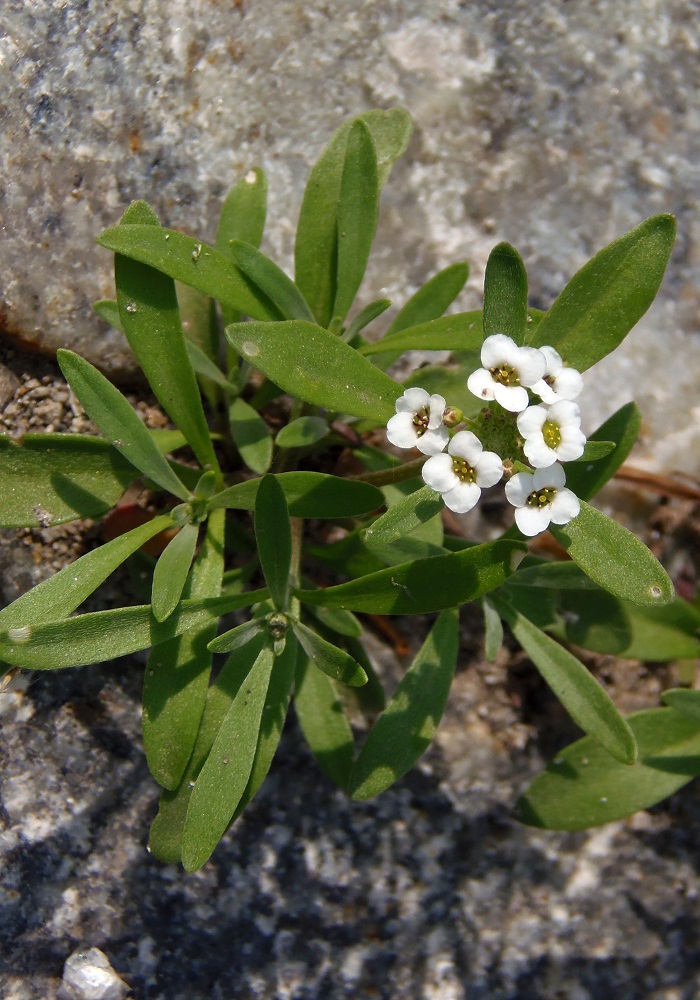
(493, 630)
(150, 319)
(405, 516)
(224, 776)
(302, 432)
(61, 594)
(584, 786)
(120, 424)
(191, 262)
(309, 494)
(423, 585)
(171, 571)
(329, 658)
(432, 299)
(582, 696)
(358, 209)
(104, 635)
(270, 281)
(505, 294)
(53, 478)
(273, 534)
(409, 722)
(364, 318)
(243, 212)
(610, 293)
(614, 558)
(203, 365)
(177, 674)
(323, 722)
(586, 478)
(684, 701)
(317, 367)
(461, 332)
(251, 435)
(317, 232)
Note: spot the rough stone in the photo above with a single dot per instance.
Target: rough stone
(87, 975)
(557, 128)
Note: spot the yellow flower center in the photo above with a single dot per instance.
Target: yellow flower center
(540, 498)
(551, 433)
(464, 472)
(421, 420)
(505, 375)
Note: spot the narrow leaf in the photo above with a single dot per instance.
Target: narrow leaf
(251, 435)
(587, 478)
(273, 534)
(610, 293)
(684, 701)
(270, 281)
(118, 421)
(614, 558)
(171, 571)
(365, 316)
(338, 620)
(203, 365)
(405, 516)
(243, 212)
(237, 637)
(302, 432)
(323, 721)
(317, 367)
(584, 786)
(425, 584)
(505, 294)
(493, 630)
(224, 776)
(308, 494)
(460, 332)
(432, 299)
(408, 724)
(588, 704)
(329, 658)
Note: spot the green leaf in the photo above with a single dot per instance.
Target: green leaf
(614, 558)
(177, 674)
(323, 721)
(316, 366)
(493, 630)
(243, 212)
(684, 701)
(610, 293)
(62, 593)
(108, 310)
(237, 637)
(118, 421)
(588, 704)
(408, 724)
(273, 534)
(505, 293)
(329, 658)
(171, 571)
(53, 478)
(203, 365)
(584, 786)
(302, 432)
(405, 516)
(595, 450)
(150, 317)
(308, 494)
(166, 831)
(251, 435)
(105, 635)
(622, 427)
(316, 247)
(338, 620)
(424, 585)
(270, 281)
(358, 210)
(224, 776)
(365, 316)
(460, 332)
(192, 262)
(450, 380)
(432, 299)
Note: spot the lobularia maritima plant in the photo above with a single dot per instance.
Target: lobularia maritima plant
(295, 394)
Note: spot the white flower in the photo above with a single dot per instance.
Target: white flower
(507, 370)
(541, 498)
(418, 422)
(462, 474)
(552, 433)
(558, 382)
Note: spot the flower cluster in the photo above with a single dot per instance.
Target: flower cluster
(549, 429)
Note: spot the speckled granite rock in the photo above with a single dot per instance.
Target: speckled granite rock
(557, 127)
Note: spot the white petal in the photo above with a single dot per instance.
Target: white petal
(481, 384)
(462, 498)
(497, 350)
(553, 360)
(544, 391)
(532, 520)
(568, 383)
(437, 410)
(538, 454)
(467, 446)
(439, 474)
(553, 476)
(401, 430)
(489, 469)
(531, 420)
(530, 365)
(565, 413)
(564, 507)
(511, 397)
(519, 488)
(433, 442)
(413, 399)
(571, 446)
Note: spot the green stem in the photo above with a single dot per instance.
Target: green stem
(397, 474)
